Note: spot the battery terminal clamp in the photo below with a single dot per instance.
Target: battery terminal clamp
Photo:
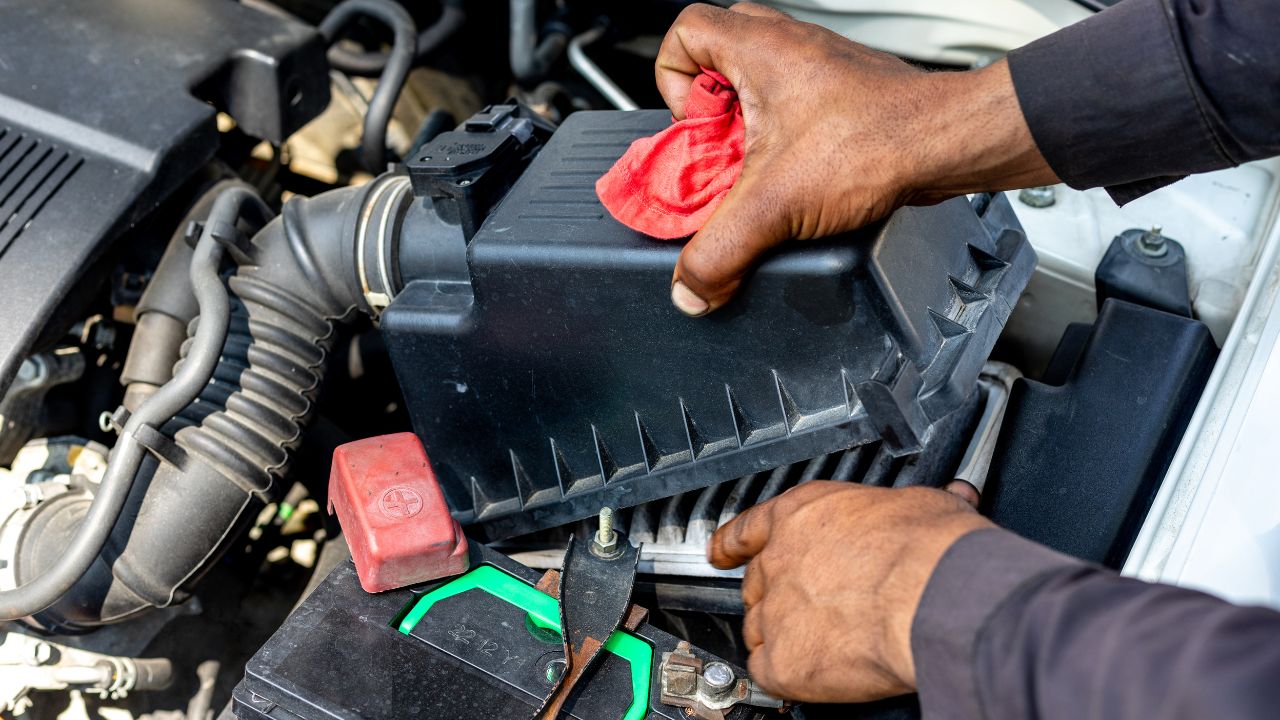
(707, 690)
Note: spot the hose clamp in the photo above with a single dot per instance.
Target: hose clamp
(377, 239)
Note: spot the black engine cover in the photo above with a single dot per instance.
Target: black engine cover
(107, 106)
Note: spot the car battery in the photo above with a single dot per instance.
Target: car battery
(483, 644)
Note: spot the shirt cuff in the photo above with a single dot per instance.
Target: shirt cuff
(973, 578)
(1108, 102)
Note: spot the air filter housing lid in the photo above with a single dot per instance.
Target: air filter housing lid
(554, 376)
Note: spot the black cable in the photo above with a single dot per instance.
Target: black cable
(159, 408)
(531, 59)
(373, 141)
(369, 64)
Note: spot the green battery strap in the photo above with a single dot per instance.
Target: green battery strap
(544, 611)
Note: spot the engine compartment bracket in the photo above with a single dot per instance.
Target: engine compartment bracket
(595, 596)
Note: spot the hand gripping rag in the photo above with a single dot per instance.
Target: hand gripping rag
(669, 184)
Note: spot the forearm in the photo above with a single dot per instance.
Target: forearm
(1152, 90)
(1130, 99)
(970, 136)
(1010, 630)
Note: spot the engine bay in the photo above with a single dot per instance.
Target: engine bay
(241, 236)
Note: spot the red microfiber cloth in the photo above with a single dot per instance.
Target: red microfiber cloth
(668, 185)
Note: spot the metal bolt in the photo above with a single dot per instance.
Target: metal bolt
(605, 543)
(40, 653)
(555, 669)
(718, 676)
(1152, 243)
(1038, 197)
(605, 534)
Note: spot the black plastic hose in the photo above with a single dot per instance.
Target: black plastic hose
(221, 453)
(530, 59)
(166, 308)
(75, 557)
(370, 64)
(373, 141)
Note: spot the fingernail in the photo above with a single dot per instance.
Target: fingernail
(688, 303)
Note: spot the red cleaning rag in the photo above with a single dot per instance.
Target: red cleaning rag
(668, 185)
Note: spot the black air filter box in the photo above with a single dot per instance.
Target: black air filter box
(556, 377)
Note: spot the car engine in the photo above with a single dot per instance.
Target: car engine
(239, 237)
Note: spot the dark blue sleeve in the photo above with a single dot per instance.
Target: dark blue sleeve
(1008, 629)
(1149, 91)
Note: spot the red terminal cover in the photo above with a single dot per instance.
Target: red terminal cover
(393, 513)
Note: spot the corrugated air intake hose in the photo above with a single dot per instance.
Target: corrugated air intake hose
(208, 463)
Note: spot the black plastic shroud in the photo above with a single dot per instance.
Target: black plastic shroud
(106, 108)
(555, 377)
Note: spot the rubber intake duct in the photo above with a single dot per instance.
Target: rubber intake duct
(199, 457)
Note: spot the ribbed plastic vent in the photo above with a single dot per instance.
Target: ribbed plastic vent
(673, 533)
(31, 171)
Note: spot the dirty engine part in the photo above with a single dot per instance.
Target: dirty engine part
(92, 140)
(548, 374)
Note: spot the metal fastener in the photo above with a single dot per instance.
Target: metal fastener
(605, 534)
(1038, 197)
(605, 543)
(1152, 243)
(718, 677)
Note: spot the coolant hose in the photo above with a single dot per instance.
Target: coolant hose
(530, 60)
(166, 308)
(373, 141)
(74, 557)
(369, 64)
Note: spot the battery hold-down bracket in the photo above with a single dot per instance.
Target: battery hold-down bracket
(544, 627)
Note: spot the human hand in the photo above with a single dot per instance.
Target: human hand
(837, 136)
(835, 572)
